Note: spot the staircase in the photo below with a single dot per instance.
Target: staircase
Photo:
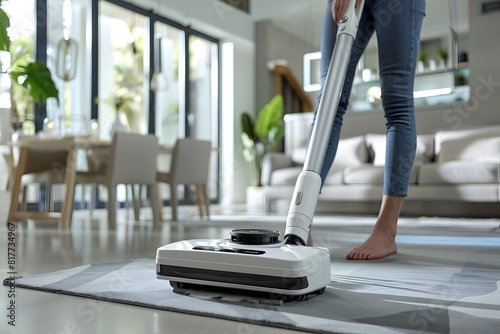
(295, 98)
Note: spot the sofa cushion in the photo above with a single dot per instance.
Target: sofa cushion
(285, 176)
(351, 151)
(334, 176)
(299, 155)
(471, 148)
(288, 176)
(376, 147)
(364, 174)
(369, 174)
(459, 172)
(469, 134)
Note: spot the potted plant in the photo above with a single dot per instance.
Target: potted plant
(460, 79)
(262, 135)
(34, 76)
(443, 54)
(422, 58)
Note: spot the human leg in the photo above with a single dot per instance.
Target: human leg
(381, 242)
(398, 38)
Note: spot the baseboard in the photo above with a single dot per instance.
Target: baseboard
(411, 208)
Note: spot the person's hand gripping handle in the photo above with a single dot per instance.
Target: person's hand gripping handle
(347, 14)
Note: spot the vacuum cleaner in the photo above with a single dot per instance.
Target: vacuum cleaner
(256, 261)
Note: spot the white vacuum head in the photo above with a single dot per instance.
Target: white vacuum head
(251, 260)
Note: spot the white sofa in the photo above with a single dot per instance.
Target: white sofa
(456, 172)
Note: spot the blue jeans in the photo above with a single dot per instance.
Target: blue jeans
(397, 24)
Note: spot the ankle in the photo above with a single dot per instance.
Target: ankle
(387, 230)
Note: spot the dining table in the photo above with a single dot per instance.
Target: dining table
(42, 154)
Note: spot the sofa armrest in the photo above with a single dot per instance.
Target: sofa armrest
(271, 162)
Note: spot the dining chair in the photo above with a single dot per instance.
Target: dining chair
(132, 161)
(189, 166)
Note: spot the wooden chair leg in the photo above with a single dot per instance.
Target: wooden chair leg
(93, 198)
(136, 200)
(207, 201)
(160, 201)
(200, 199)
(153, 198)
(173, 201)
(112, 207)
(48, 197)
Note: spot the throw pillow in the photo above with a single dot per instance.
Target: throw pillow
(376, 145)
(480, 149)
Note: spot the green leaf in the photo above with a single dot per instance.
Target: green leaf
(4, 37)
(38, 81)
(269, 117)
(277, 132)
(247, 125)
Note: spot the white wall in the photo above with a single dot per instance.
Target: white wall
(212, 17)
(244, 100)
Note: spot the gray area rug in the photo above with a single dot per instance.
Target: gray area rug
(438, 285)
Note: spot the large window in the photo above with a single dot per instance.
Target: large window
(111, 55)
(168, 82)
(21, 33)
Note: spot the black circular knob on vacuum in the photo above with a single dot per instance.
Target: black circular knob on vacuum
(254, 236)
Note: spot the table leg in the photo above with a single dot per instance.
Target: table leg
(67, 206)
(16, 184)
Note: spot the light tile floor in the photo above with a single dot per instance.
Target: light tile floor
(41, 247)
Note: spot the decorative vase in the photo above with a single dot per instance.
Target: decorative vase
(420, 66)
(120, 124)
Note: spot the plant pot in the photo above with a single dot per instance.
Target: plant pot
(255, 199)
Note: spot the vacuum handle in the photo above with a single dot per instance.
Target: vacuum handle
(349, 22)
(332, 87)
(308, 185)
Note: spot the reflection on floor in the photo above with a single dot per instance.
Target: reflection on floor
(41, 247)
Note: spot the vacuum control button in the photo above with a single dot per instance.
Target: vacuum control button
(298, 198)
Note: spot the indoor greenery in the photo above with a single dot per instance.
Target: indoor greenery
(34, 76)
(262, 135)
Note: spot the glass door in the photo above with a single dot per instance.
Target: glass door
(203, 88)
(123, 45)
(185, 109)
(202, 110)
(168, 83)
(123, 91)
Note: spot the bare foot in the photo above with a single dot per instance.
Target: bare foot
(377, 246)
